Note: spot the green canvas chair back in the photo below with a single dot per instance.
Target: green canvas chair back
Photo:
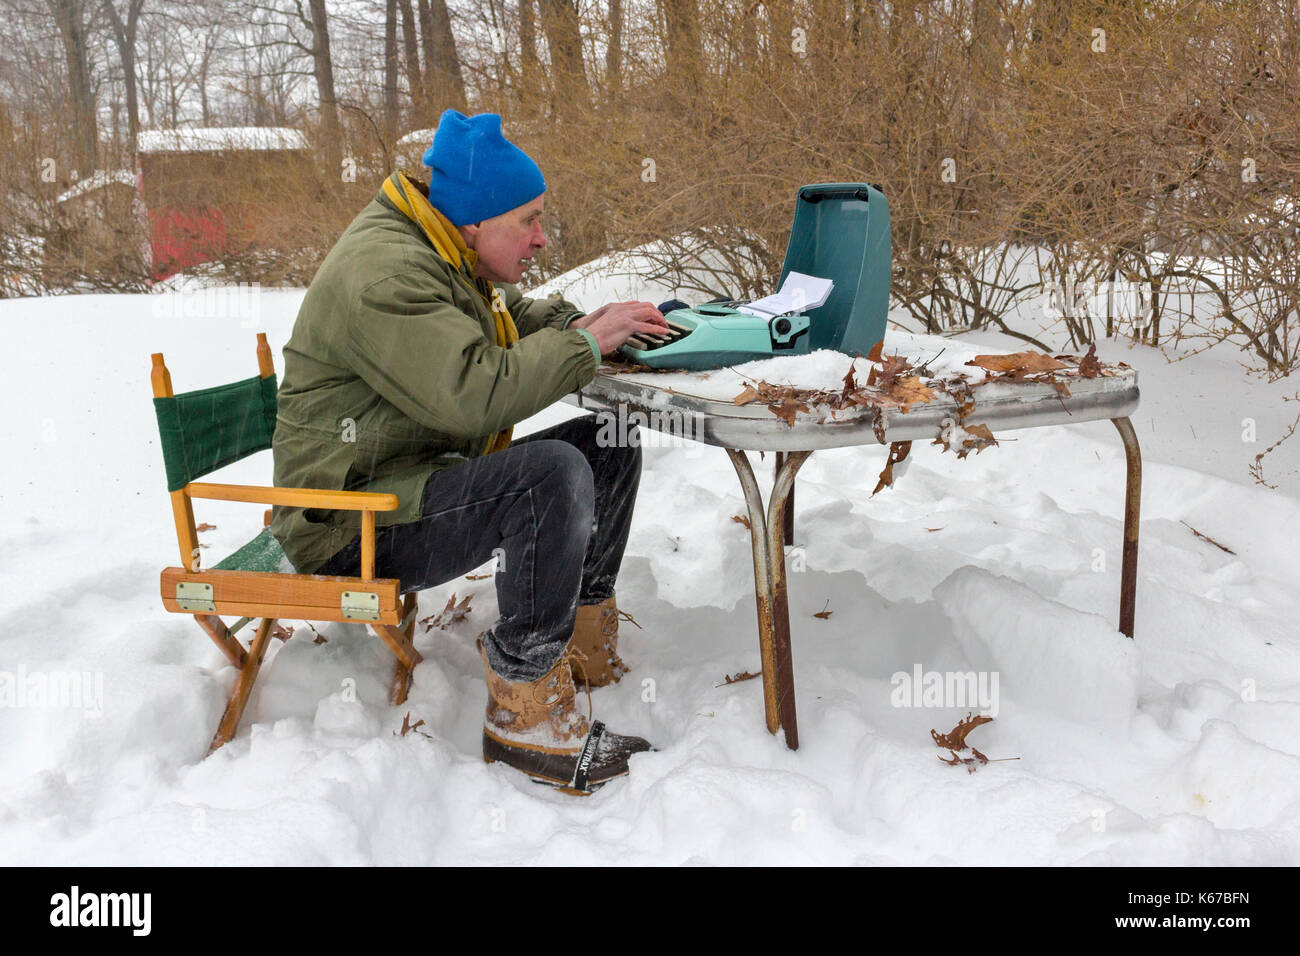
(207, 429)
(841, 232)
(210, 428)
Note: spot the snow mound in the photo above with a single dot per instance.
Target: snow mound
(1048, 656)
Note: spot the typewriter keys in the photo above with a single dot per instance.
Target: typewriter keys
(646, 341)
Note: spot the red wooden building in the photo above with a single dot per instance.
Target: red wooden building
(213, 193)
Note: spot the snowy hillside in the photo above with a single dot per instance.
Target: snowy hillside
(1176, 748)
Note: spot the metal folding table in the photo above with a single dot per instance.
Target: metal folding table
(1002, 406)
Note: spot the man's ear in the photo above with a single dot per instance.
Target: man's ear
(470, 233)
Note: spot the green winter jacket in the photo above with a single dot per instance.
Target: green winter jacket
(393, 373)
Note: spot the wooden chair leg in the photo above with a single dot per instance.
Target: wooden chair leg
(401, 642)
(220, 634)
(243, 686)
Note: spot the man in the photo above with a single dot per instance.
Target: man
(405, 371)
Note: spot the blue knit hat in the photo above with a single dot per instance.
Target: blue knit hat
(477, 172)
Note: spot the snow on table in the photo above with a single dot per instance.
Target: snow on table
(701, 405)
(822, 369)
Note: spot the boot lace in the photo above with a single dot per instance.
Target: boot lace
(542, 692)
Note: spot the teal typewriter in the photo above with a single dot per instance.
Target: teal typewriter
(839, 245)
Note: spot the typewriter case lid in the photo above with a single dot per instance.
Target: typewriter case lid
(841, 232)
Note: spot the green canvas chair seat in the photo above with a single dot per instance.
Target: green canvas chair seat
(263, 553)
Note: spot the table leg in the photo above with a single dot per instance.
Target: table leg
(778, 508)
(762, 583)
(767, 531)
(1132, 508)
(789, 512)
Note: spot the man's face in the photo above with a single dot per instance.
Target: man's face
(507, 243)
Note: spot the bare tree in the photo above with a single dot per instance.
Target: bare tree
(211, 25)
(323, 64)
(124, 29)
(411, 47)
(528, 62)
(71, 18)
(614, 52)
(430, 47)
(305, 28)
(560, 23)
(390, 70)
(448, 83)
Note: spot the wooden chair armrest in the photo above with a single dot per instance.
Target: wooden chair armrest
(296, 497)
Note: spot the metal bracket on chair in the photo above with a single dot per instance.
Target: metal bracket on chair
(360, 605)
(406, 621)
(193, 596)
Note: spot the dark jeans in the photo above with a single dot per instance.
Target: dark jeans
(553, 509)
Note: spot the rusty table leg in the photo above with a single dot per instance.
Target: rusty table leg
(777, 509)
(762, 583)
(1132, 508)
(766, 537)
(789, 511)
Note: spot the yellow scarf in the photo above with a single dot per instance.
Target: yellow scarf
(403, 192)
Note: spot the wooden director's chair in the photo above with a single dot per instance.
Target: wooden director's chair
(208, 429)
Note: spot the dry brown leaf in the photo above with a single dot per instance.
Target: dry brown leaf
(983, 438)
(741, 519)
(897, 452)
(1021, 362)
(959, 390)
(955, 739)
(745, 397)
(975, 439)
(449, 615)
(891, 368)
(476, 577)
(737, 678)
(878, 426)
(787, 410)
(971, 763)
(824, 615)
(1089, 367)
(854, 399)
(849, 383)
(320, 638)
(281, 632)
(206, 527)
(407, 727)
(910, 391)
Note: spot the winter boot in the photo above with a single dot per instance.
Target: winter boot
(535, 727)
(595, 635)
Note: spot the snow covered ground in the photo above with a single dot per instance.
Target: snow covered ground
(1178, 748)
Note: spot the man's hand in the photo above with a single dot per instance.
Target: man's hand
(612, 324)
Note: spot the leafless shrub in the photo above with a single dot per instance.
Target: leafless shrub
(1031, 151)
